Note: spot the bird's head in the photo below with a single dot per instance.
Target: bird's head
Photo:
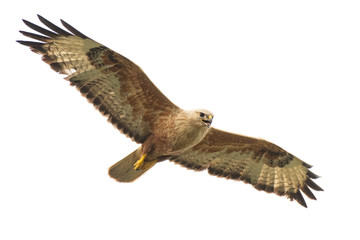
(198, 118)
(204, 116)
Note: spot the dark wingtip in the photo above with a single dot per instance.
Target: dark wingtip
(305, 189)
(26, 22)
(53, 26)
(28, 43)
(307, 165)
(312, 175)
(313, 185)
(21, 42)
(39, 29)
(72, 29)
(36, 47)
(298, 197)
(34, 36)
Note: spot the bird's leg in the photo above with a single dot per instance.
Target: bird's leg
(139, 163)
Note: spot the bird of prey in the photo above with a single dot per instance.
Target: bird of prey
(122, 92)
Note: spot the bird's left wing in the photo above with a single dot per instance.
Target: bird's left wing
(117, 87)
(258, 162)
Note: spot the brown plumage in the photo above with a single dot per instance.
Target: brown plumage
(121, 91)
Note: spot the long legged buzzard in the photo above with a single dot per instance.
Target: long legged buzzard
(121, 91)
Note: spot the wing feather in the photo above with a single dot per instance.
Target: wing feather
(117, 87)
(266, 166)
(53, 27)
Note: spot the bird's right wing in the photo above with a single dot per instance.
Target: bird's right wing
(116, 86)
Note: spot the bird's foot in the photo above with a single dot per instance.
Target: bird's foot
(139, 163)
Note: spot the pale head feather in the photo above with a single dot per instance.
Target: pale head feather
(199, 117)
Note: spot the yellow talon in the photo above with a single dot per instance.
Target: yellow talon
(139, 163)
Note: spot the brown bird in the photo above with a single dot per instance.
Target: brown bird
(121, 91)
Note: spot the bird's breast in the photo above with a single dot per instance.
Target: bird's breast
(188, 137)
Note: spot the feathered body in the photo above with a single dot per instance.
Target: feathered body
(122, 92)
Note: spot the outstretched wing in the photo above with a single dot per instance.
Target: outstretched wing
(116, 86)
(263, 164)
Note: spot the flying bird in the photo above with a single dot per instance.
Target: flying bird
(122, 92)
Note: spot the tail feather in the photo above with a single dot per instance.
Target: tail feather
(123, 170)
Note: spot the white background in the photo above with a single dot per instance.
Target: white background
(286, 71)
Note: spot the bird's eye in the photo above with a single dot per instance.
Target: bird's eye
(202, 114)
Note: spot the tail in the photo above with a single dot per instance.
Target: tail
(123, 170)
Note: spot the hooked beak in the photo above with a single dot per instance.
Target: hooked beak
(208, 121)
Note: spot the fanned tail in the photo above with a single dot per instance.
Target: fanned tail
(123, 170)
